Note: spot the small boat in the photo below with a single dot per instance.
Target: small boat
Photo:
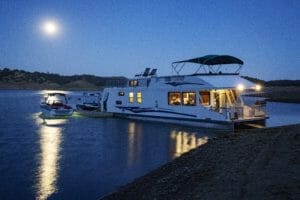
(89, 102)
(55, 104)
(90, 106)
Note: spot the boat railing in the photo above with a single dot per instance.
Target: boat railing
(244, 111)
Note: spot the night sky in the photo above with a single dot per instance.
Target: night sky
(111, 38)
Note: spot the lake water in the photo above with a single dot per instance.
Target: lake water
(86, 158)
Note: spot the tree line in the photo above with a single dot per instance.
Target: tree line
(15, 75)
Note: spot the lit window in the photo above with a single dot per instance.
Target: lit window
(204, 98)
(139, 97)
(121, 93)
(174, 98)
(131, 97)
(189, 98)
(133, 83)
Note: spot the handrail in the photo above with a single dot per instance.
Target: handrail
(243, 111)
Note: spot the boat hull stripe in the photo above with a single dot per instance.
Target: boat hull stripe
(146, 110)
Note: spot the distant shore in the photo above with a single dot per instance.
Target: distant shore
(251, 164)
(13, 79)
(35, 86)
(24, 80)
(286, 94)
(289, 94)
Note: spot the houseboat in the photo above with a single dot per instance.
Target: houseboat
(211, 95)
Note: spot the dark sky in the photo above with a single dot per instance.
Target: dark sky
(123, 37)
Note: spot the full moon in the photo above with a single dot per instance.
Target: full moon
(50, 27)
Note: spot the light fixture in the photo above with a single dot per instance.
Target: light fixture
(258, 87)
(240, 87)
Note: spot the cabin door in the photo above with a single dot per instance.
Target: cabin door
(219, 100)
(223, 99)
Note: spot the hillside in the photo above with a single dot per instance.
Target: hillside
(279, 90)
(20, 79)
(274, 83)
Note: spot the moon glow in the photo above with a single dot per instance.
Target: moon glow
(50, 28)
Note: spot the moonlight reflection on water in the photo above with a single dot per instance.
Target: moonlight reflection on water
(50, 140)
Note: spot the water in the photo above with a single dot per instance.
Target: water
(86, 158)
(282, 114)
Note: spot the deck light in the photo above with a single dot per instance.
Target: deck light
(240, 87)
(258, 87)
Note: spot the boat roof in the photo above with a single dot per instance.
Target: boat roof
(213, 60)
(226, 81)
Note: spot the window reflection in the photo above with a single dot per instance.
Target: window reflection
(182, 142)
(134, 143)
(50, 140)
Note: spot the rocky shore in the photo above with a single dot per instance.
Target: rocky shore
(251, 164)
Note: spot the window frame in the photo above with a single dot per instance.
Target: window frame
(133, 83)
(139, 99)
(131, 98)
(180, 98)
(201, 99)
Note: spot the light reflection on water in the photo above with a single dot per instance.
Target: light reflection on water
(50, 139)
(134, 143)
(182, 142)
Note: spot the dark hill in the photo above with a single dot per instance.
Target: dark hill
(280, 83)
(20, 79)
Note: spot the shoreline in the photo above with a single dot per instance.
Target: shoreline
(282, 94)
(285, 94)
(255, 164)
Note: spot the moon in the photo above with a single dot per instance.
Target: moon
(50, 27)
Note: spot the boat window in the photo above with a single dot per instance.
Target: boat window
(174, 98)
(139, 97)
(189, 98)
(133, 83)
(205, 98)
(118, 102)
(121, 93)
(131, 97)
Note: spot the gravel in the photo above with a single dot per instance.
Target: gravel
(251, 164)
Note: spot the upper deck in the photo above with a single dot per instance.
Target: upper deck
(207, 72)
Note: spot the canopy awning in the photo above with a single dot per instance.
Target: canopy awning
(213, 60)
